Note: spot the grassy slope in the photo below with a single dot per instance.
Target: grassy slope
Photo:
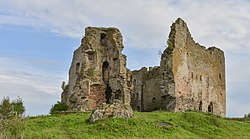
(143, 125)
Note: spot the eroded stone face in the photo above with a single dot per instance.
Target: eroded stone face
(190, 77)
(199, 73)
(98, 72)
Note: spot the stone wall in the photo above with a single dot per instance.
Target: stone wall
(98, 71)
(190, 77)
(199, 73)
(148, 95)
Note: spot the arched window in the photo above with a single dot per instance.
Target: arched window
(200, 106)
(77, 68)
(108, 94)
(153, 100)
(137, 95)
(105, 71)
(103, 39)
(210, 107)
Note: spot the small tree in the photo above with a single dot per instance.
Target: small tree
(18, 107)
(63, 86)
(10, 109)
(5, 108)
(11, 123)
(58, 107)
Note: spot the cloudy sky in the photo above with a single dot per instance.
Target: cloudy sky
(38, 37)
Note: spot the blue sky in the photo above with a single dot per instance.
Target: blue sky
(38, 37)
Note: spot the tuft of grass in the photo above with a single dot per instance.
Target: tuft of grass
(12, 128)
(156, 124)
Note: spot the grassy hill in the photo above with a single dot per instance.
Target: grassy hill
(143, 125)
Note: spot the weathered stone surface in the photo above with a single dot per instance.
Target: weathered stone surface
(114, 110)
(190, 77)
(98, 72)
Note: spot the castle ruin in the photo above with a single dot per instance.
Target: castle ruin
(98, 71)
(190, 77)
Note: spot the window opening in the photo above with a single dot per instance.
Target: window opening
(153, 100)
(108, 94)
(77, 67)
(105, 71)
(103, 39)
(210, 107)
(200, 106)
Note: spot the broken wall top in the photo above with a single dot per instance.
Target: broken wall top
(96, 36)
(180, 33)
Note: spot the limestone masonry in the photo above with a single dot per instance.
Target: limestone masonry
(190, 77)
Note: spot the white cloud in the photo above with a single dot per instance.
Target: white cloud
(19, 72)
(34, 86)
(143, 23)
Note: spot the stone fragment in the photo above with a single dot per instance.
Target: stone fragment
(114, 110)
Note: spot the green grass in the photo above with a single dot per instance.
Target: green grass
(143, 125)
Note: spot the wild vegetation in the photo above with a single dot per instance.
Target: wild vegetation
(10, 109)
(156, 124)
(11, 122)
(59, 107)
(143, 125)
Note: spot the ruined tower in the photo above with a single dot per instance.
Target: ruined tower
(98, 72)
(199, 73)
(190, 77)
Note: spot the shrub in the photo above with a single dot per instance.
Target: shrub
(63, 86)
(18, 107)
(11, 123)
(247, 115)
(10, 109)
(5, 108)
(59, 107)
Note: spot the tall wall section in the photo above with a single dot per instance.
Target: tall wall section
(199, 73)
(98, 71)
(190, 77)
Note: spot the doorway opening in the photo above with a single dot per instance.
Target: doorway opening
(210, 107)
(200, 106)
(108, 94)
